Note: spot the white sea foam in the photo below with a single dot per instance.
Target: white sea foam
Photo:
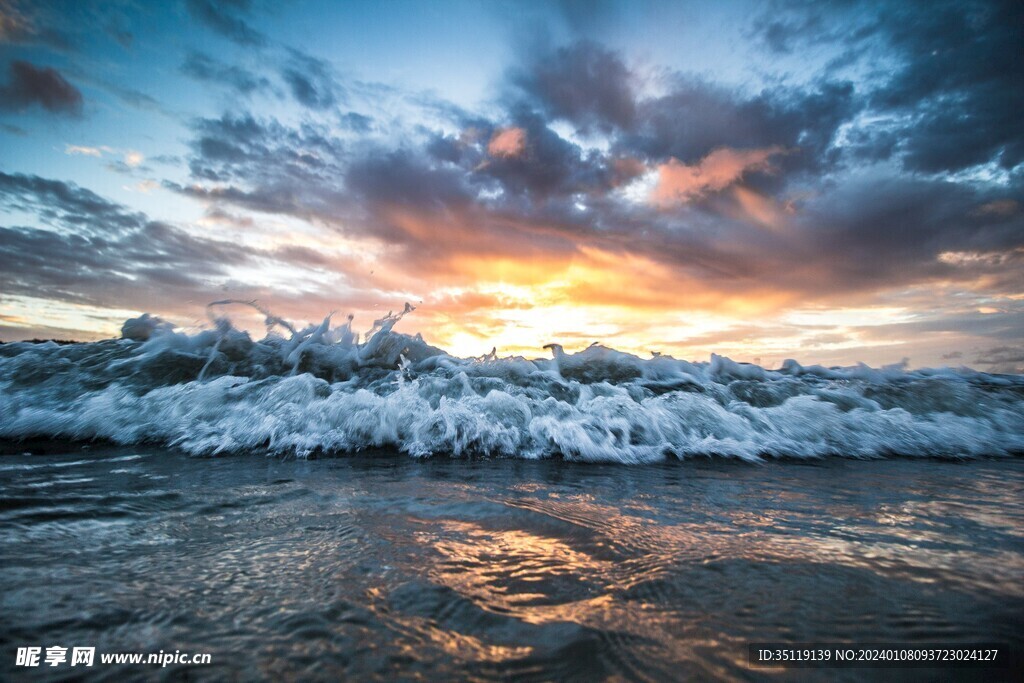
(319, 389)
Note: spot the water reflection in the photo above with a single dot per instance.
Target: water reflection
(383, 567)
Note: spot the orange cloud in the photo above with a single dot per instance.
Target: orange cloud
(627, 300)
(678, 182)
(507, 143)
(488, 278)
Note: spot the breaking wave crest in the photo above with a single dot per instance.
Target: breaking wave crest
(322, 390)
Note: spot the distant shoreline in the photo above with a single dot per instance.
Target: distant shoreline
(62, 342)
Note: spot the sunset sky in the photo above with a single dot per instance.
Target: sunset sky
(832, 182)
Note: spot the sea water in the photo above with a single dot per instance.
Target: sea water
(319, 390)
(319, 504)
(383, 567)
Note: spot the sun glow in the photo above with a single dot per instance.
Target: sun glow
(630, 302)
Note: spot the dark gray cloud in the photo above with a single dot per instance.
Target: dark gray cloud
(780, 35)
(119, 166)
(963, 80)
(847, 209)
(266, 199)
(30, 85)
(265, 166)
(311, 81)
(402, 178)
(218, 215)
(65, 206)
(202, 67)
(548, 165)
(356, 122)
(20, 23)
(431, 213)
(695, 118)
(879, 229)
(870, 232)
(99, 252)
(303, 171)
(585, 83)
(584, 16)
(1005, 359)
(787, 26)
(362, 189)
(1003, 326)
(593, 88)
(954, 87)
(92, 269)
(227, 17)
(13, 130)
(243, 147)
(133, 97)
(815, 227)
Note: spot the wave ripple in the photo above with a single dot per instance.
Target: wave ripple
(321, 389)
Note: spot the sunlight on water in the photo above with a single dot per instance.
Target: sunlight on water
(376, 567)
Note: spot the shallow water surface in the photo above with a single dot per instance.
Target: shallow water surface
(387, 567)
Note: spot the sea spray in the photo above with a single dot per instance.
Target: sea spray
(320, 389)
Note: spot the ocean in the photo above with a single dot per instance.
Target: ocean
(310, 506)
(383, 567)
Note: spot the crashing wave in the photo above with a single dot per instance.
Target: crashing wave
(320, 389)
